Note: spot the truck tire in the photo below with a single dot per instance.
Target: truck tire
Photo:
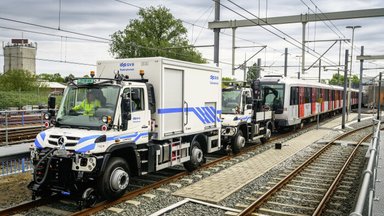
(197, 157)
(114, 181)
(267, 135)
(238, 142)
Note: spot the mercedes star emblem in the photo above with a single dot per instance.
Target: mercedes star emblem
(61, 141)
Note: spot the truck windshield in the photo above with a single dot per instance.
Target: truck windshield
(84, 106)
(273, 96)
(231, 101)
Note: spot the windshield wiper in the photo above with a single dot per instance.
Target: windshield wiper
(86, 128)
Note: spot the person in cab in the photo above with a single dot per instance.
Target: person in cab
(88, 105)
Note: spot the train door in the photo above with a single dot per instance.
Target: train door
(293, 108)
(301, 102)
(313, 101)
(330, 100)
(337, 99)
(322, 100)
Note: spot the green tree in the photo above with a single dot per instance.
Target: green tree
(253, 73)
(18, 80)
(51, 77)
(225, 81)
(155, 33)
(338, 79)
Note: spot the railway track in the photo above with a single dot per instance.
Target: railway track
(308, 189)
(138, 185)
(18, 135)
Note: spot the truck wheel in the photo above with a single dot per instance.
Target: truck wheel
(114, 181)
(238, 142)
(267, 135)
(197, 157)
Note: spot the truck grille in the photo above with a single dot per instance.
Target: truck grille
(71, 141)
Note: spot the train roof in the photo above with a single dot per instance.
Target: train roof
(299, 82)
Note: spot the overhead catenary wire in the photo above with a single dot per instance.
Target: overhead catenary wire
(51, 60)
(53, 35)
(277, 35)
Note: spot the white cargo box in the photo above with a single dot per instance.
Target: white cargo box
(188, 95)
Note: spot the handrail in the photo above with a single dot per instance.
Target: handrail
(367, 190)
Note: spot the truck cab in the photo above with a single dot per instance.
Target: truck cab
(242, 121)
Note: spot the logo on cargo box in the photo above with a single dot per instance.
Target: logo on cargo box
(214, 79)
(127, 66)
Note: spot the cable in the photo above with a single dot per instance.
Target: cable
(327, 60)
(51, 28)
(51, 60)
(54, 35)
(328, 19)
(189, 23)
(320, 18)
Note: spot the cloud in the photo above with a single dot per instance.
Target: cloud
(101, 18)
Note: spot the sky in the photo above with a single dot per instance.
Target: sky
(87, 25)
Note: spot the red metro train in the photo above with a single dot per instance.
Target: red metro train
(297, 101)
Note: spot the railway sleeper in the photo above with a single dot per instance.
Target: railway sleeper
(317, 167)
(297, 209)
(295, 201)
(299, 194)
(316, 175)
(306, 189)
(266, 211)
(314, 180)
(302, 183)
(333, 212)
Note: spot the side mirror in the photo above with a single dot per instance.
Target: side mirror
(125, 110)
(51, 106)
(51, 102)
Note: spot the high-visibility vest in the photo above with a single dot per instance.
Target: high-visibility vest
(89, 108)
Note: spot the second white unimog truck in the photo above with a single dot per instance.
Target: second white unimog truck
(244, 119)
(150, 114)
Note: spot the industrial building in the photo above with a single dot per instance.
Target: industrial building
(20, 54)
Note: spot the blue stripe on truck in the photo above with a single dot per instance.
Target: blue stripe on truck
(205, 114)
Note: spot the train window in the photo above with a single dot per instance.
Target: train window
(326, 96)
(294, 99)
(307, 95)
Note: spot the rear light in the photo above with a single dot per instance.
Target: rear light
(46, 124)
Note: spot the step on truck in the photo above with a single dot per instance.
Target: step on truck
(135, 116)
(244, 119)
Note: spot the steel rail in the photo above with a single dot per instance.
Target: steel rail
(106, 204)
(257, 203)
(28, 205)
(328, 195)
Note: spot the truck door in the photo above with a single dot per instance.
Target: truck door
(173, 92)
(247, 107)
(139, 124)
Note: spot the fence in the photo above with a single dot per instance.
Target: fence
(15, 166)
(367, 191)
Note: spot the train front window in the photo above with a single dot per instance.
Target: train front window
(273, 96)
(231, 101)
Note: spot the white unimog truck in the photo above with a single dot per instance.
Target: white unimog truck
(243, 117)
(152, 113)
